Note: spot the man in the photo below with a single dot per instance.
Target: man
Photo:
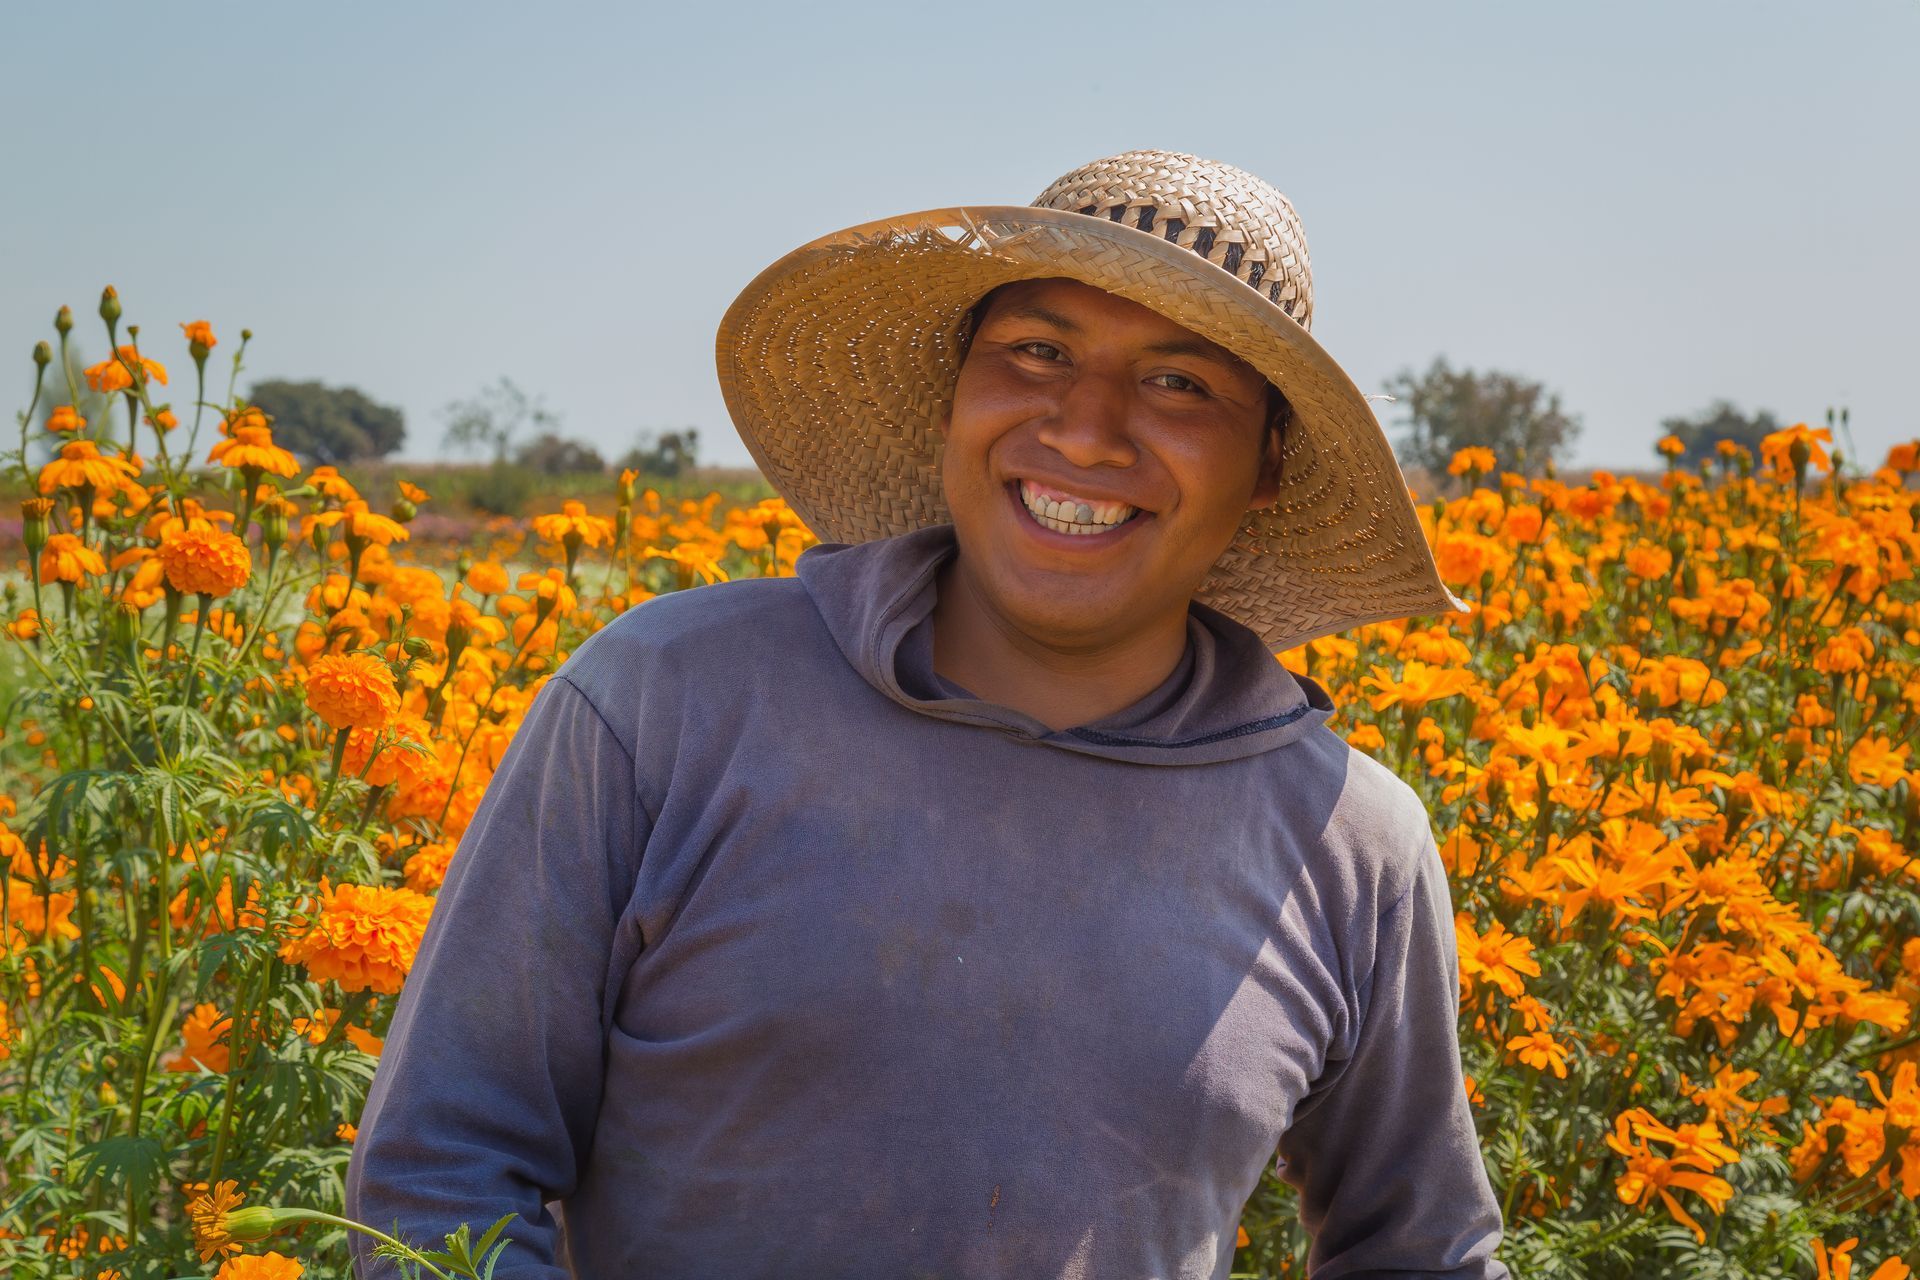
(987, 901)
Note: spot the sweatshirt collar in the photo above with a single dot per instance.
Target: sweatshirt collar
(1227, 698)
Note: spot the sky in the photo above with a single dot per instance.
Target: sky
(1644, 206)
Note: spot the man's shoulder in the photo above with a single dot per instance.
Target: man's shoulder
(719, 628)
(1375, 828)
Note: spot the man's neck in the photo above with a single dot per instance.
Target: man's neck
(1058, 682)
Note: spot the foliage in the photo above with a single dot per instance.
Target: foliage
(1447, 410)
(1702, 433)
(503, 489)
(666, 455)
(555, 455)
(329, 425)
(1668, 752)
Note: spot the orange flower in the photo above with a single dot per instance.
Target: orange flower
(253, 446)
(67, 559)
(413, 493)
(211, 1215)
(1496, 957)
(163, 420)
(206, 561)
(1476, 461)
(205, 1033)
(1776, 449)
(1671, 446)
(1418, 685)
(80, 465)
(487, 578)
(352, 690)
(332, 484)
(1540, 1051)
(63, 418)
(363, 525)
(426, 870)
(573, 527)
(263, 1266)
(199, 332)
(112, 375)
(365, 937)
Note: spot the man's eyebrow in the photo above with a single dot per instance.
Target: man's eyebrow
(1029, 311)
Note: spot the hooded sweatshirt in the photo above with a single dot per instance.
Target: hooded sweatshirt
(769, 952)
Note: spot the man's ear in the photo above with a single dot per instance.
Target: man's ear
(1266, 486)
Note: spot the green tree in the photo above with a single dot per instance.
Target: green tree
(665, 455)
(552, 454)
(328, 425)
(491, 419)
(1701, 432)
(1446, 410)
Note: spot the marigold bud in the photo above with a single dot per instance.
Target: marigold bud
(110, 305)
(42, 353)
(33, 523)
(63, 320)
(404, 511)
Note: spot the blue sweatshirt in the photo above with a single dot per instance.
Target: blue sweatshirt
(770, 953)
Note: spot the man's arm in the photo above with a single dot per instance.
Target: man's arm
(1382, 1149)
(488, 1090)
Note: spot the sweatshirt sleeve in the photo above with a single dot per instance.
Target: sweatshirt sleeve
(1383, 1149)
(487, 1092)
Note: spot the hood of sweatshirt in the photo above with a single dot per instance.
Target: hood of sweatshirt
(1227, 698)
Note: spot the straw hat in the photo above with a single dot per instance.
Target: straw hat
(837, 361)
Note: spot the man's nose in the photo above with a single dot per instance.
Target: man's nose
(1088, 426)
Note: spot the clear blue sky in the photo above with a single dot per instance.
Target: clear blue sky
(1643, 205)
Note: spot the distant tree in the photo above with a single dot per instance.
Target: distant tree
(552, 454)
(1701, 432)
(493, 417)
(665, 455)
(1447, 410)
(329, 425)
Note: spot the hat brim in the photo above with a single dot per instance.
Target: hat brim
(838, 361)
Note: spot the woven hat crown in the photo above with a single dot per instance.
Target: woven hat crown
(1226, 215)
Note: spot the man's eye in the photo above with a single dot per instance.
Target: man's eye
(1043, 350)
(1176, 382)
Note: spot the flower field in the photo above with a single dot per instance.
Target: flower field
(245, 717)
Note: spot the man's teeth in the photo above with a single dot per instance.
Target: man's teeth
(1074, 515)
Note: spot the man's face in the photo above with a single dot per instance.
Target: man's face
(1099, 459)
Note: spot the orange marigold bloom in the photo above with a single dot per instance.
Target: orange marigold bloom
(1776, 449)
(252, 446)
(1496, 957)
(67, 559)
(260, 1266)
(205, 1033)
(364, 525)
(1476, 460)
(332, 484)
(111, 374)
(63, 418)
(1671, 446)
(352, 691)
(164, 420)
(426, 870)
(487, 578)
(574, 522)
(206, 561)
(393, 759)
(413, 493)
(80, 464)
(211, 1215)
(365, 937)
(1904, 457)
(199, 331)
(1541, 1051)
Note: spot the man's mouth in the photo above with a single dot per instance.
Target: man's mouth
(1071, 514)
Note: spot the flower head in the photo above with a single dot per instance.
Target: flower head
(252, 446)
(262, 1266)
(352, 691)
(112, 374)
(199, 334)
(63, 418)
(365, 937)
(67, 559)
(205, 561)
(80, 464)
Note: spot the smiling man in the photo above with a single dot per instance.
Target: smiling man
(986, 901)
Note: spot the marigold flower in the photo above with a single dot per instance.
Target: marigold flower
(205, 1033)
(573, 527)
(1475, 461)
(369, 527)
(163, 420)
(63, 418)
(487, 578)
(253, 446)
(111, 374)
(1776, 449)
(364, 938)
(199, 334)
(352, 691)
(205, 561)
(67, 559)
(413, 493)
(261, 1266)
(80, 464)
(1671, 446)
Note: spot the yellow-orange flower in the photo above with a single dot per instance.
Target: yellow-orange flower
(1671, 446)
(352, 691)
(80, 464)
(67, 559)
(211, 1216)
(487, 578)
(573, 523)
(259, 1266)
(111, 375)
(363, 525)
(205, 561)
(199, 331)
(252, 446)
(364, 938)
(1776, 449)
(205, 1034)
(1476, 460)
(63, 418)
(1541, 1051)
